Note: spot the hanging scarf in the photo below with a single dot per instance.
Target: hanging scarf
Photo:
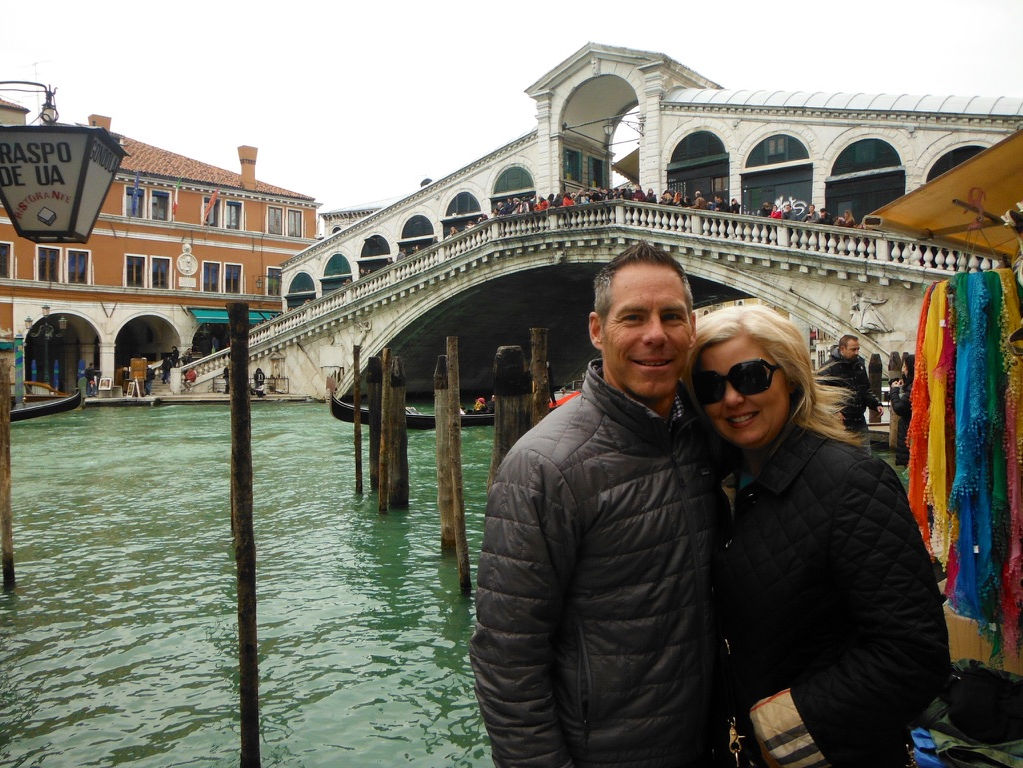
(970, 498)
(916, 434)
(1012, 569)
(932, 431)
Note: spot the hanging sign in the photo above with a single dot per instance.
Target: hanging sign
(54, 179)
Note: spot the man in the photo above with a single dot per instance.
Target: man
(594, 637)
(811, 217)
(847, 369)
(734, 206)
(787, 213)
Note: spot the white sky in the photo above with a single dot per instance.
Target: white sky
(356, 102)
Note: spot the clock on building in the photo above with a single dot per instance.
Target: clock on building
(187, 263)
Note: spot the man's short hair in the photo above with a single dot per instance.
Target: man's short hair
(844, 341)
(638, 253)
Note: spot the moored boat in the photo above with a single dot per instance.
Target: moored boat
(46, 407)
(345, 411)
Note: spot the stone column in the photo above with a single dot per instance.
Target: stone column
(106, 359)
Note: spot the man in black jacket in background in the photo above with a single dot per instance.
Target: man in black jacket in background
(847, 369)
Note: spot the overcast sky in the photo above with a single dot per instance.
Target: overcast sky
(357, 102)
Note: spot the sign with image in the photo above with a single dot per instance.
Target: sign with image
(53, 179)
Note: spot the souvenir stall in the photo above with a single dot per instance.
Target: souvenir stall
(966, 432)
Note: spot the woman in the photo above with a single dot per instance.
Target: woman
(899, 394)
(824, 590)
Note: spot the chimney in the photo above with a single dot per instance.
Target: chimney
(99, 121)
(247, 157)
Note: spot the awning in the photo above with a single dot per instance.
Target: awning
(209, 315)
(628, 166)
(963, 207)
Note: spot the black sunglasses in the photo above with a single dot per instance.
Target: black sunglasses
(750, 377)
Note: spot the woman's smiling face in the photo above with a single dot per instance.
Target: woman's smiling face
(751, 422)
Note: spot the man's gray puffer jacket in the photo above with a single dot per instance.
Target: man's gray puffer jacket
(593, 644)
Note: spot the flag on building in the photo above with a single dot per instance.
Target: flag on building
(135, 192)
(209, 205)
(174, 205)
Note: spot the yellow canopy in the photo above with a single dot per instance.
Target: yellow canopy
(628, 166)
(963, 207)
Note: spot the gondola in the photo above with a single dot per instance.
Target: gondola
(413, 419)
(46, 407)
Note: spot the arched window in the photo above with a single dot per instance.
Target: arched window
(417, 227)
(866, 155)
(300, 290)
(777, 149)
(337, 272)
(513, 180)
(699, 163)
(950, 160)
(375, 247)
(866, 176)
(463, 203)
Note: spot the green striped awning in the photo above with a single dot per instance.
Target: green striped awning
(210, 315)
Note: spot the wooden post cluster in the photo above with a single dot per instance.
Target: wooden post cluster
(6, 511)
(513, 411)
(357, 404)
(445, 496)
(455, 438)
(244, 538)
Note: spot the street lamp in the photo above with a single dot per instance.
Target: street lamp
(44, 332)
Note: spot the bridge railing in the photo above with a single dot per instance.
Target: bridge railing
(709, 226)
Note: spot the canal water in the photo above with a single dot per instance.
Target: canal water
(118, 646)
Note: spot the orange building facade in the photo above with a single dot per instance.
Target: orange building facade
(176, 240)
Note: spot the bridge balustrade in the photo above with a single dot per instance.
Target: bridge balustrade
(643, 219)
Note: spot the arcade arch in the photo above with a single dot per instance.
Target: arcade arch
(335, 274)
(58, 346)
(951, 159)
(376, 252)
(148, 336)
(699, 163)
(416, 233)
(463, 209)
(865, 176)
(301, 290)
(592, 118)
(778, 169)
(513, 182)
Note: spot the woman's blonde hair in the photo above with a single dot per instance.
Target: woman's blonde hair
(815, 405)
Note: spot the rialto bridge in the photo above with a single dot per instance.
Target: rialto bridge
(492, 282)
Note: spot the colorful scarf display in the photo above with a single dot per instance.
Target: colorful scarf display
(966, 447)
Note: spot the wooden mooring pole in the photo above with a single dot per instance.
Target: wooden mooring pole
(512, 408)
(540, 373)
(6, 510)
(455, 451)
(357, 402)
(397, 495)
(445, 499)
(374, 379)
(244, 538)
(386, 422)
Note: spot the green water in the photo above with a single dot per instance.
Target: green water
(118, 645)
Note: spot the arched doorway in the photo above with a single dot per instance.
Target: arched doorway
(778, 170)
(599, 129)
(58, 349)
(301, 290)
(950, 160)
(337, 272)
(417, 233)
(699, 163)
(866, 175)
